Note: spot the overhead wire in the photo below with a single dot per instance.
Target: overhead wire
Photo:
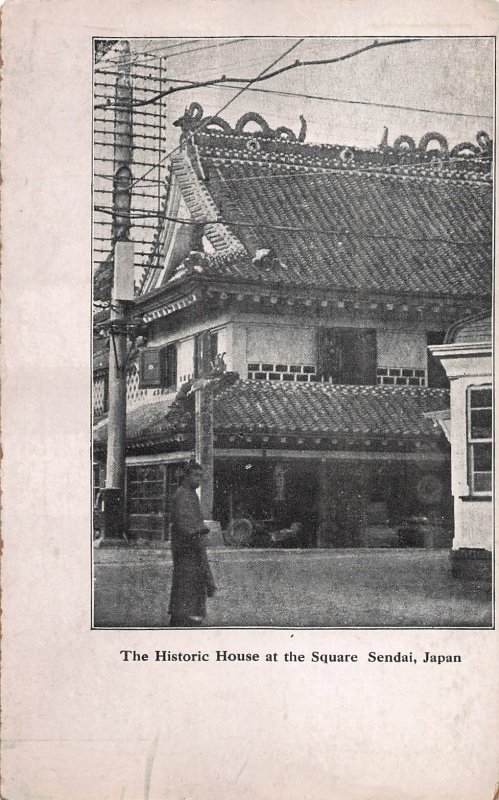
(225, 106)
(295, 228)
(323, 98)
(142, 54)
(266, 75)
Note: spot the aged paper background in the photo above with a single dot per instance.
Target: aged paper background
(78, 723)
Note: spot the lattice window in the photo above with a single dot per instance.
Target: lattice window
(150, 488)
(100, 395)
(134, 393)
(145, 489)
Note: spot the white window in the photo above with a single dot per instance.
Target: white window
(480, 439)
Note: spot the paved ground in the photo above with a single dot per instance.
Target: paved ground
(295, 588)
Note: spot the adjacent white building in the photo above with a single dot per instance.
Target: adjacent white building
(466, 356)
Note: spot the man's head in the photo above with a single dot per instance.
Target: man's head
(193, 475)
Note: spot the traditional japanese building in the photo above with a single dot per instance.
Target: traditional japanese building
(308, 281)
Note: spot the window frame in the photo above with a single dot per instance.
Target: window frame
(165, 379)
(205, 343)
(165, 478)
(472, 441)
(365, 361)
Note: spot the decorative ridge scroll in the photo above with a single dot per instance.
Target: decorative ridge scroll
(193, 119)
(468, 160)
(406, 145)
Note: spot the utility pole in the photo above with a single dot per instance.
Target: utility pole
(121, 299)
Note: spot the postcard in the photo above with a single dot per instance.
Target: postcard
(248, 407)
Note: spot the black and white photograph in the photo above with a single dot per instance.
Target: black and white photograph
(292, 332)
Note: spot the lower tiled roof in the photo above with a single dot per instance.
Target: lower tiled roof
(257, 407)
(266, 407)
(139, 419)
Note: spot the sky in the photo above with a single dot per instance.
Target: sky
(441, 74)
(452, 79)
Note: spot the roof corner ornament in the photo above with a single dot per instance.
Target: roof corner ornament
(195, 261)
(303, 129)
(484, 142)
(383, 145)
(193, 119)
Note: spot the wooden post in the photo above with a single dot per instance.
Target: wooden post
(323, 534)
(204, 445)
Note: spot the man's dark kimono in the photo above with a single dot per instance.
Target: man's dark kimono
(192, 579)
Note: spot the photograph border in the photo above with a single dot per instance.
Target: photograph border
(207, 626)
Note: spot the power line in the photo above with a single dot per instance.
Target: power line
(295, 229)
(226, 105)
(261, 76)
(350, 102)
(264, 76)
(325, 98)
(141, 53)
(145, 65)
(375, 45)
(239, 93)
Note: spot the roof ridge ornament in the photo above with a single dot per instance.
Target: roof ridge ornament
(406, 151)
(193, 119)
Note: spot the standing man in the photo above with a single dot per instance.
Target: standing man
(192, 580)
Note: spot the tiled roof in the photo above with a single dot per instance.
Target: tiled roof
(261, 406)
(472, 330)
(257, 407)
(141, 419)
(396, 219)
(353, 228)
(100, 354)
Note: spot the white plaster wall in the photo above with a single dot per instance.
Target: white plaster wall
(267, 337)
(185, 360)
(223, 341)
(187, 331)
(473, 524)
(402, 348)
(185, 348)
(296, 342)
(236, 348)
(287, 344)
